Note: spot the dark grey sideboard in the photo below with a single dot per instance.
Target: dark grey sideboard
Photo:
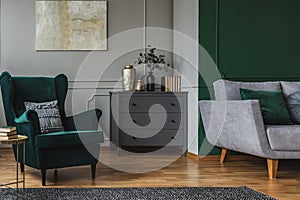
(149, 119)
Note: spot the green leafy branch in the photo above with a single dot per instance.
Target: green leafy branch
(152, 60)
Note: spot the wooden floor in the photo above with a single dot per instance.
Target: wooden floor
(185, 172)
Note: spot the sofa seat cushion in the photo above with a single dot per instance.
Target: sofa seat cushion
(284, 137)
(68, 138)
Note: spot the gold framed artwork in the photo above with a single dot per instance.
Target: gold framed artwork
(71, 25)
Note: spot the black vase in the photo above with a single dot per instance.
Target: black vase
(150, 82)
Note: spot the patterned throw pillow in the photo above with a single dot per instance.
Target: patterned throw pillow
(49, 116)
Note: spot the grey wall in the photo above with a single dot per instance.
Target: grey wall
(186, 59)
(91, 74)
(18, 37)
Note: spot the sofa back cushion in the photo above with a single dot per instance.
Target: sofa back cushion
(291, 91)
(289, 88)
(293, 102)
(230, 90)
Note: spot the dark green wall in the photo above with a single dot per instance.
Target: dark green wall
(251, 40)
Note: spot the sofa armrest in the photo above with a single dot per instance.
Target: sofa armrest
(236, 125)
(28, 124)
(87, 120)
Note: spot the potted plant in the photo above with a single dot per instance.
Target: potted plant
(152, 61)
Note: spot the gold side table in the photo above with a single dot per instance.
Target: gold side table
(20, 140)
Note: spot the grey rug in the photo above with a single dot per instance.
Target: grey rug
(205, 193)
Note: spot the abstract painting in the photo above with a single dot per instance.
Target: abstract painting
(71, 25)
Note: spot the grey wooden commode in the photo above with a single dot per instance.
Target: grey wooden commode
(149, 119)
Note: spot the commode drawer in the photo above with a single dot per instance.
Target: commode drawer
(143, 104)
(141, 121)
(170, 138)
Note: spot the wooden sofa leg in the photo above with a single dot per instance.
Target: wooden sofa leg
(43, 173)
(93, 169)
(224, 155)
(272, 168)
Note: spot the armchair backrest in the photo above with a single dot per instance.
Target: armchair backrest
(16, 90)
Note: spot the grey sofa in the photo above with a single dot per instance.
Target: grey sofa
(235, 124)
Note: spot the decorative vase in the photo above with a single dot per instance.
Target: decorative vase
(150, 82)
(140, 86)
(128, 78)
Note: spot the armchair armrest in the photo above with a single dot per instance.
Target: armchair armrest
(28, 124)
(236, 125)
(87, 120)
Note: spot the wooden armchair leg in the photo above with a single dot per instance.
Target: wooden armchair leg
(43, 173)
(272, 168)
(93, 169)
(22, 167)
(224, 155)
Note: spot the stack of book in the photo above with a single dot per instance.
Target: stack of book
(171, 83)
(8, 132)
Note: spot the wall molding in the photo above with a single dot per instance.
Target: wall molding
(94, 97)
(105, 85)
(93, 81)
(94, 84)
(112, 84)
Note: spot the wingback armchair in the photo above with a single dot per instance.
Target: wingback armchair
(56, 149)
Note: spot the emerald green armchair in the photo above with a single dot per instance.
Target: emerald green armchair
(57, 149)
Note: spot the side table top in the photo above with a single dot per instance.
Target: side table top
(147, 92)
(21, 139)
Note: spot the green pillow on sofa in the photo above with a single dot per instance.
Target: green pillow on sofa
(272, 105)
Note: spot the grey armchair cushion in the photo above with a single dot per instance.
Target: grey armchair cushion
(293, 102)
(49, 116)
(284, 137)
(230, 90)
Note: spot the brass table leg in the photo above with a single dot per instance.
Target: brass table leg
(24, 159)
(17, 175)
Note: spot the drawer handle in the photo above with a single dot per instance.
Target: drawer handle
(134, 105)
(173, 121)
(173, 104)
